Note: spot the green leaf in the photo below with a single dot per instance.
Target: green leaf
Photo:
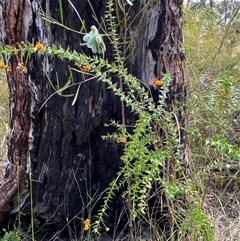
(95, 41)
(76, 95)
(91, 42)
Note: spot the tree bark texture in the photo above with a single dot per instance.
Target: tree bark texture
(70, 160)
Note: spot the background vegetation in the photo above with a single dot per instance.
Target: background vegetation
(3, 115)
(212, 71)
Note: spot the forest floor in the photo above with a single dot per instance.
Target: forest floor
(222, 202)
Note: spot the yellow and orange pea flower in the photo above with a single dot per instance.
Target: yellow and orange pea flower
(39, 46)
(8, 68)
(158, 82)
(85, 68)
(2, 65)
(123, 139)
(86, 224)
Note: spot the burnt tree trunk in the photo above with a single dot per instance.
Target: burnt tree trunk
(69, 159)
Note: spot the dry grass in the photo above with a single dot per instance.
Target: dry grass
(223, 205)
(4, 118)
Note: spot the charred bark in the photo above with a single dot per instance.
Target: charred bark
(15, 182)
(159, 49)
(70, 161)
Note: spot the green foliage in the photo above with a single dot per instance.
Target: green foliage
(211, 49)
(11, 236)
(199, 223)
(142, 158)
(212, 72)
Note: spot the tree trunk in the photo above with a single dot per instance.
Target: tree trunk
(70, 162)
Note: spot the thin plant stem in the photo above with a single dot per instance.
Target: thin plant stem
(31, 199)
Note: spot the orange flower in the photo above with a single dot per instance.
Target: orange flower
(86, 224)
(39, 46)
(1, 65)
(85, 68)
(9, 69)
(123, 139)
(157, 82)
